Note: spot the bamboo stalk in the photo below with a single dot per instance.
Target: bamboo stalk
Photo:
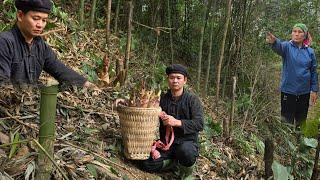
(108, 19)
(51, 159)
(48, 103)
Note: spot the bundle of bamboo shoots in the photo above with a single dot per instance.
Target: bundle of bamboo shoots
(142, 97)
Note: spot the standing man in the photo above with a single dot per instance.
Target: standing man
(24, 54)
(182, 117)
(299, 82)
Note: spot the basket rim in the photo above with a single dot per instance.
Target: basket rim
(138, 108)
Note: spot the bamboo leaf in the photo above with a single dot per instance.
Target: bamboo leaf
(114, 171)
(125, 177)
(92, 169)
(14, 146)
(310, 142)
(30, 171)
(280, 172)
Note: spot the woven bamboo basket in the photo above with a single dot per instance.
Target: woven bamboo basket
(138, 129)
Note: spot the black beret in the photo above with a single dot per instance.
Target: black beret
(177, 68)
(34, 5)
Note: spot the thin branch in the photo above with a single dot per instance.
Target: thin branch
(19, 117)
(153, 28)
(53, 31)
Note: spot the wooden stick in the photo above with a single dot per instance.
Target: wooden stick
(19, 117)
(52, 31)
(153, 28)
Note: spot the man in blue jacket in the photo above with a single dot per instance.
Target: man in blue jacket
(299, 81)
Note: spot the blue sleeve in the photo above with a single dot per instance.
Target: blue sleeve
(279, 47)
(314, 74)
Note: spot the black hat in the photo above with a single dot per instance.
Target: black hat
(34, 5)
(177, 68)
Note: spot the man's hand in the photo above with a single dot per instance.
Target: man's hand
(313, 98)
(169, 120)
(270, 38)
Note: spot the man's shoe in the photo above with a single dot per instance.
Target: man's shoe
(186, 172)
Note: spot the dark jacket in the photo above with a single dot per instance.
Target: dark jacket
(21, 63)
(189, 110)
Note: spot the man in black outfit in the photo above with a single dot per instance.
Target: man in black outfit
(183, 112)
(24, 54)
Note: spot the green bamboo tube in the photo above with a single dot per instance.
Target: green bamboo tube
(48, 103)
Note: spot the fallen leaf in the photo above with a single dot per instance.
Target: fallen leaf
(4, 139)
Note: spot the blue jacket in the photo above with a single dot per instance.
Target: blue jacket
(299, 70)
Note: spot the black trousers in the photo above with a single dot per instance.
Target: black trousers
(294, 107)
(185, 153)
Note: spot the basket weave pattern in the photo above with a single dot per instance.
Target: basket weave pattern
(138, 129)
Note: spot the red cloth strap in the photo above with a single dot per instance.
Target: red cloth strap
(155, 154)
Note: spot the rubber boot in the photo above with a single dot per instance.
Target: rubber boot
(167, 164)
(186, 172)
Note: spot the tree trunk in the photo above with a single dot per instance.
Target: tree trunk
(81, 14)
(233, 104)
(93, 12)
(268, 157)
(222, 51)
(128, 48)
(315, 171)
(117, 18)
(210, 51)
(170, 31)
(205, 17)
(48, 104)
(108, 23)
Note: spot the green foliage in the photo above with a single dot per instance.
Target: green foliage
(310, 142)
(90, 71)
(123, 43)
(242, 143)
(243, 103)
(159, 79)
(8, 10)
(211, 128)
(280, 172)
(92, 169)
(310, 127)
(14, 139)
(57, 12)
(258, 143)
